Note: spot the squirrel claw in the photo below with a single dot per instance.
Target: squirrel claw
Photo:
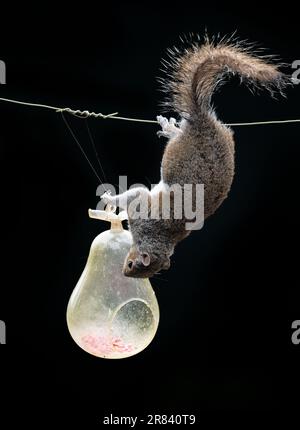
(169, 127)
(107, 197)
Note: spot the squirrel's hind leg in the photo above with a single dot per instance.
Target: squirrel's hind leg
(169, 127)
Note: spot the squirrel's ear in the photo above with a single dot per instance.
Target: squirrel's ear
(145, 258)
(166, 264)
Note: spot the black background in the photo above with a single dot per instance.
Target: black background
(228, 301)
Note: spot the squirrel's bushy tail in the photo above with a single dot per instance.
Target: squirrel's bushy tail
(197, 72)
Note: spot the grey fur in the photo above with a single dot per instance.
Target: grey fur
(201, 151)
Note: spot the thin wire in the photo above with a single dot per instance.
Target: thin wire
(284, 121)
(30, 104)
(95, 149)
(149, 121)
(80, 147)
(87, 114)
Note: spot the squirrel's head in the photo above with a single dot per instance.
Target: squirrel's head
(140, 263)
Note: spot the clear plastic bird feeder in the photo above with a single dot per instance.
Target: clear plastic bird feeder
(110, 315)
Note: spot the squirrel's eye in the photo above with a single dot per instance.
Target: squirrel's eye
(130, 264)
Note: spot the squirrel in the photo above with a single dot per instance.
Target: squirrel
(200, 150)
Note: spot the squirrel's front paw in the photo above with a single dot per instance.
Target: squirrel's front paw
(107, 198)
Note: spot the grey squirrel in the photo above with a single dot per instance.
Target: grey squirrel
(199, 151)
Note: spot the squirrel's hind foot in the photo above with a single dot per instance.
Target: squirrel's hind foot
(169, 127)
